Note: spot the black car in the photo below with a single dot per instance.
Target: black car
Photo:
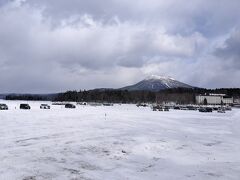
(209, 109)
(176, 108)
(191, 108)
(166, 108)
(205, 109)
(202, 110)
(3, 107)
(157, 108)
(25, 106)
(71, 106)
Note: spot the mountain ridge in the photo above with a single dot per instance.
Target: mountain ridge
(156, 83)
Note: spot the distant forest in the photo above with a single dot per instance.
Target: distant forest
(179, 95)
(31, 97)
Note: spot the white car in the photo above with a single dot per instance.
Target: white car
(44, 106)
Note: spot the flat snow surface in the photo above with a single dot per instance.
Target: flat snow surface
(126, 143)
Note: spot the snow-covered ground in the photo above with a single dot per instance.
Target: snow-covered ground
(118, 143)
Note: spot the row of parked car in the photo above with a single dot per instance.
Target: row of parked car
(42, 106)
(219, 109)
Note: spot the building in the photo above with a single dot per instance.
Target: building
(214, 99)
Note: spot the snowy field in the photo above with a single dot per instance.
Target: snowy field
(126, 143)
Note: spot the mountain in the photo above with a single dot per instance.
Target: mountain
(156, 83)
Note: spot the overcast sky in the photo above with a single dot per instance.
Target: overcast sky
(57, 45)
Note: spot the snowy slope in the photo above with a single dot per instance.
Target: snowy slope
(156, 83)
(118, 143)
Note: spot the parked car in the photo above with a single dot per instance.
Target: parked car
(192, 108)
(166, 108)
(205, 109)
(58, 103)
(107, 104)
(157, 108)
(183, 108)
(3, 107)
(141, 105)
(95, 104)
(25, 106)
(44, 106)
(82, 103)
(228, 108)
(202, 110)
(176, 108)
(209, 109)
(221, 110)
(70, 106)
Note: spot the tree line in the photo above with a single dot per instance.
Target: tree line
(31, 97)
(113, 96)
(178, 95)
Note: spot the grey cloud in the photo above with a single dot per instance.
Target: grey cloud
(211, 18)
(230, 52)
(3, 2)
(92, 46)
(58, 45)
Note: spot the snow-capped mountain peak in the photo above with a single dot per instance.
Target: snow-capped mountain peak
(156, 83)
(157, 77)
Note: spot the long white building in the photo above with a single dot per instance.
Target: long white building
(214, 99)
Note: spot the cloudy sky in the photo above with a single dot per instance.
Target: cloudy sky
(57, 45)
